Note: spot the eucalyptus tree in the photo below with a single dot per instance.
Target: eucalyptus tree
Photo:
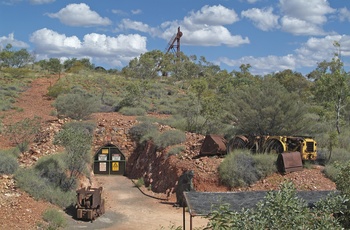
(294, 82)
(266, 107)
(144, 67)
(332, 90)
(15, 58)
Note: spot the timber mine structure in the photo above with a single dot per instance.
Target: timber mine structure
(174, 43)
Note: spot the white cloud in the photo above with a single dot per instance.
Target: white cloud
(344, 14)
(120, 49)
(213, 15)
(313, 51)
(119, 12)
(10, 39)
(138, 11)
(127, 24)
(201, 28)
(300, 27)
(263, 19)
(80, 15)
(264, 65)
(311, 13)
(39, 2)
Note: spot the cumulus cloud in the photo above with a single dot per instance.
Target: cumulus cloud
(344, 14)
(300, 27)
(10, 39)
(202, 28)
(127, 24)
(263, 19)
(120, 49)
(80, 15)
(313, 51)
(213, 15)
(311, 13)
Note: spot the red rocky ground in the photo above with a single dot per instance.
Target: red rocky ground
(19, 211)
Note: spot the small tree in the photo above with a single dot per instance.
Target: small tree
(76, 137)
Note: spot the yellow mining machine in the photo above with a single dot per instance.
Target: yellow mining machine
(291, 150)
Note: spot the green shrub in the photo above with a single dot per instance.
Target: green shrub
(170, 137)
(339, 155)
(279, 210)
(331, 171)
(23, 132)
(58, 89)
(76, 137)
(39, 188)
(77, 105)
(176, 150)
(238, 169)
(265, 164)
(131, 111)
(141, 129)
(343, 185)
(54, 218)
(8, 163)
(53, 169)
(140, 182)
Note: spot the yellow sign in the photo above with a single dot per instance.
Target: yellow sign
(115, 166)
(104, 151)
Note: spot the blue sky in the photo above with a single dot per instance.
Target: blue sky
(270, 35)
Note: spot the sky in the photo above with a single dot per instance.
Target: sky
(270, 35)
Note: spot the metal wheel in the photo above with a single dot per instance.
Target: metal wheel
(238, 142)
(274, 146)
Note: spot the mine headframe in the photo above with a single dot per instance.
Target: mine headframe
(174, 43)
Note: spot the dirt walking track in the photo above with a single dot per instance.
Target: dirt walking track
(127, 208)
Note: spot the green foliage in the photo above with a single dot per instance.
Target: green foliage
(58, 89)
(139, 130)
(267, 107)
(343, 185)
(238, 169)
(279, 210)
(131, 111)
(76, 137)
(176, 150)
(8, 163)
(54, 218)
(22, 133)
(140, 182)
(77, 104)
(170, 137)
(53, 168)
(30, 181)
(241, 168)
(15, 58)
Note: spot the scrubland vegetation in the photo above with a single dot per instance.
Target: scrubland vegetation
(197, 96)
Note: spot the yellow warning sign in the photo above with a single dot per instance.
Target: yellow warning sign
(115, 166)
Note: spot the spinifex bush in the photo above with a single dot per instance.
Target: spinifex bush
(23, 132)
(141, 129)
(77, 105)
(170, 137)
(54, 218)
(8, 163)
(38, 187)
(241, 168)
